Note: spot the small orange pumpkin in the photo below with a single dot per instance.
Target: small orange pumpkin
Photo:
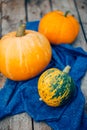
(59, 27)
(24, 57)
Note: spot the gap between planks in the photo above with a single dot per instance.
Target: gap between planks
(41, 9)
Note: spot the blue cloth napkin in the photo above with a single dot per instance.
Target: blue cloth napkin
(17, 97)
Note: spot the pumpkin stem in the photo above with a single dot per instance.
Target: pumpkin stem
(67, 69)
(66, 13)
(21, 30)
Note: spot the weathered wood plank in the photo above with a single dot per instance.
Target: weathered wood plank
(2, 80)
(12, 12)
(17, 122)
(36, 9)
(4, 124)
(20, 122)
(33, 11)
(41, 126)
(82, 11)
(84, 90)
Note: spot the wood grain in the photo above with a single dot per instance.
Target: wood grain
(11, 12)
(37, 9)
(82, 10)
(17, 122)
(2, 80)
(20, 122)
(41, 126)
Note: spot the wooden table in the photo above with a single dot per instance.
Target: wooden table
(11, 12)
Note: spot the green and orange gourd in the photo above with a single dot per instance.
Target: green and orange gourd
(56, 87)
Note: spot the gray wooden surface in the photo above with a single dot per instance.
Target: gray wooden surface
(11, 12)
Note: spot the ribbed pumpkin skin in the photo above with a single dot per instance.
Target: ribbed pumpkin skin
(58, 28)
(55, 87)
(22, 58)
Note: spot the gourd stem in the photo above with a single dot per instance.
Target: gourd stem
(21, 30)
(40, 99)
(67, 69)
(66, 13)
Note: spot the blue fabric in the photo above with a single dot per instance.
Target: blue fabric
(17, 97)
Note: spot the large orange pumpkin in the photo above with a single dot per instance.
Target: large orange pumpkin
(59, 27)
(24, 57)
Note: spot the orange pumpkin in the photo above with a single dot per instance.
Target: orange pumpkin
(59, 27)
(24, 57)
